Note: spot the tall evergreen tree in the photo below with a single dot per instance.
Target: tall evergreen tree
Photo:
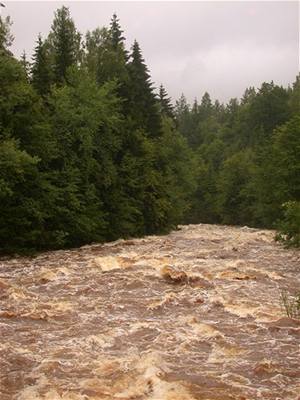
(25, 64)
(41, 70)
(206, 107)
(142, 101)
(65, 44)
(165, 103)
(182, 109)
(116, 34)
(25, 150)
(106, 56)
(294, 101)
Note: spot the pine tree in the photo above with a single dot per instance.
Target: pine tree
(181, 107)
(65, 44)
(248, 95)
(219, 112)
(113, 59)
(115, 32)
(184, 117)
(142, 101)
(206, 107)
(40, 70)
(106, 56)
(165, 104)
(25, 149)
(268, 109)
(294, 101)
(25, 64)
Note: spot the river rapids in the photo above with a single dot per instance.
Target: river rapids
(193, 315)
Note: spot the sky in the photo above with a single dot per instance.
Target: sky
(189, 47)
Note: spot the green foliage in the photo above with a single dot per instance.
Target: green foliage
(165, 104)
(41, 74)
(115, 34)
(65, 44)
(294, 101)
(18, 186)
(22, 114)
(248, 155)
(175, 178)
(96, 44)
(142, 104)
(289, 226)
(234, 197)
(84, 119)
(277, 176)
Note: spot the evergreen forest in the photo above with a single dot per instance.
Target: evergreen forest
(92, 151)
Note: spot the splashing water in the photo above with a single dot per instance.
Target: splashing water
(193, 315)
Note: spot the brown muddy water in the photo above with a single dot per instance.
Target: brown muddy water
(193, 315)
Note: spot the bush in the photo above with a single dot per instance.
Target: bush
(289, 226)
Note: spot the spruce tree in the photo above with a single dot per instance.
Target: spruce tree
(41, 70)
(142, 101)
(25, 148)
(294, 101)
(115, 32)
(165, 104)
(65, 44)
(106, 56)
(206, 107)
(25, 64)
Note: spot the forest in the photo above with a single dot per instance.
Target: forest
(91, 151)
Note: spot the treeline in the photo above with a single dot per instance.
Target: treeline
(89, 152)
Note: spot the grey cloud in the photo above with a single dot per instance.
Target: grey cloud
(190, 47)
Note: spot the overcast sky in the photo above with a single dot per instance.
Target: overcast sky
(190, 47)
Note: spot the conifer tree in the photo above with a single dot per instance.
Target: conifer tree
(165, 104)
(294, 101)
(183, 118)
(115, 32)
(206, 107)
(142, 101)
(107, 57)
(25, 148)
(195, 107)
(25, 64)
(65, 44)
(219, 111)
(248, 95)
(40, 70)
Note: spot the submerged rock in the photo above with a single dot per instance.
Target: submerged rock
(173, 276)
